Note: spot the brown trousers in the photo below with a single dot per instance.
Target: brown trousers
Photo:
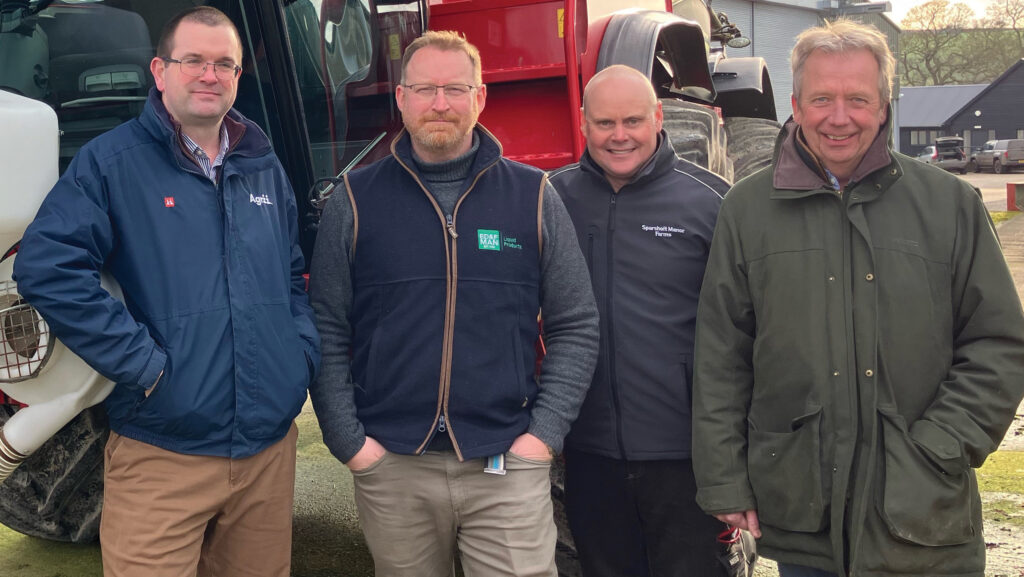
(166, 514)
(417, 510)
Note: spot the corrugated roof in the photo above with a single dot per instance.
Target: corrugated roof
(932, 106)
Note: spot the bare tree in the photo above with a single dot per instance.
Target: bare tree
(943, 43)
(929, 53)
(1004, 20)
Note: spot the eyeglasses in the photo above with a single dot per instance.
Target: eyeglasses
(451, 91)
(197, 67)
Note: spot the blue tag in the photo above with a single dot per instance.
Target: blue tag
(495, 465)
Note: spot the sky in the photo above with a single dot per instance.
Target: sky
(901, 7)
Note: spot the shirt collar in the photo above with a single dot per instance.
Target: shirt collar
(198, 151)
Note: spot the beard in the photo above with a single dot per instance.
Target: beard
(440, 139)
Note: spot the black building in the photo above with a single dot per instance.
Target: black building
(996, 113)
(977, 112)
(924, 111)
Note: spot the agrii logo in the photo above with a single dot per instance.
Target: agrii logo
(260, 200)
(493, 240)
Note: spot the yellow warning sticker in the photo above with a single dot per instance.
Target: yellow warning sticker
(561, 22)
(394, 46)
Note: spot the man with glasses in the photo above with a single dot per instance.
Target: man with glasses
(428, 276)
(214, 345)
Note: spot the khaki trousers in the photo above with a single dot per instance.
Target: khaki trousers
(166, 514)
(415, 511)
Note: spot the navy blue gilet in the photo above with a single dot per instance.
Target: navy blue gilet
(445, 326)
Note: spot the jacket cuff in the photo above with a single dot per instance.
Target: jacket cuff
(939, 447)
(153, 369)
(731, 498)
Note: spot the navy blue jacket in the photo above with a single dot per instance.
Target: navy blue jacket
(647, 246)
(212, 278)
(444, 325)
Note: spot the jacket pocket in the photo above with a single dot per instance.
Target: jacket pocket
(686, 365)
(785, 474)
(918, 502)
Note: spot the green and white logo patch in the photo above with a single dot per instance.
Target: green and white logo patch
(488, 239)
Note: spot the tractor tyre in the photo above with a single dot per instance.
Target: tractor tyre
(57, 493)
(697, 135)
(751, 143)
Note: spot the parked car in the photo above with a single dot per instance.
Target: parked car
(947, 153)
(999, 155)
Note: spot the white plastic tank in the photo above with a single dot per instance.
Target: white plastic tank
(29, 149)
(64, 384)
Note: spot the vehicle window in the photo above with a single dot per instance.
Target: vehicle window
(347, 56)
(89, 60)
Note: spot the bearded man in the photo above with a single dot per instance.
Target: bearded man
(427, 279)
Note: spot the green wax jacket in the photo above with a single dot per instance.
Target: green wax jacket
(858, 354)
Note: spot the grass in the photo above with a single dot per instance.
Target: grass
(999, 216)
(23, 556)
(1008, 511)
(1003, 472)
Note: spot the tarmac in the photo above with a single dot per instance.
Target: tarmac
(1011, 235)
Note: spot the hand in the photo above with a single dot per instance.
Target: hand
(152, 387)
(371, 452)
(744, 520)
(530, 447)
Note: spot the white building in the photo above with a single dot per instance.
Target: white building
(772, 27)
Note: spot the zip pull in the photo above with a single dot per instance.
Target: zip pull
(441, 428)
(451, 226)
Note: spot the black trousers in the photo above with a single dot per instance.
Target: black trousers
(639, 518)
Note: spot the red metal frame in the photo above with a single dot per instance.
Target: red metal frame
(573, 73)
(5, 400)
(528, 71)
(534, 78)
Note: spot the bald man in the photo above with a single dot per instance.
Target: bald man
(644, 219)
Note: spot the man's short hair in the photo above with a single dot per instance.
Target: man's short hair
(620, 70)
(447, 40)
(207, 15)
(841, 36)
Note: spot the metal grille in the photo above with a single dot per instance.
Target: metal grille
(24, 337)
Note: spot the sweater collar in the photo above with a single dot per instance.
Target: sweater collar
(454, 170)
